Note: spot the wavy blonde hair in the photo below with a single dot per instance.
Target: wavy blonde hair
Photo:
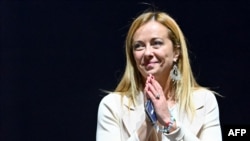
(131, 83)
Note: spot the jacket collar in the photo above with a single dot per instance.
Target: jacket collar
(139, 99)
(133, 116)
(199, 117)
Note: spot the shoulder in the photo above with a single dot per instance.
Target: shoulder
(111, 99)
(204, 97)
(203, 93)
(110, 106)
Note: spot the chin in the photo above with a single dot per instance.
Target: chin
(150, 72)
(146, 72)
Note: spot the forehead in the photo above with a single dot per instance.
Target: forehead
(151, 28)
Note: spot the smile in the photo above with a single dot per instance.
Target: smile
(149, 65)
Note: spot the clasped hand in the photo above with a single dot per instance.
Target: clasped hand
(155, 93)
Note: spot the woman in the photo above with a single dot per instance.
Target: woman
(158, 70)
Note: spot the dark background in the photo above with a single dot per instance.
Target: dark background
(57, 55)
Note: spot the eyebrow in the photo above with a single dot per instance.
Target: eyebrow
(154, 38)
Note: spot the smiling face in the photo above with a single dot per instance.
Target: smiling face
(153, 51)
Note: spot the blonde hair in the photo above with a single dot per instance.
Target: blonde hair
(131, 82)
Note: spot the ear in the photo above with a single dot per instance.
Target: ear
(177, 51)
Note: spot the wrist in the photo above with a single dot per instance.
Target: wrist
(169, 126)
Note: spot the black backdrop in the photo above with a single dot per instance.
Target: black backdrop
(56, 56)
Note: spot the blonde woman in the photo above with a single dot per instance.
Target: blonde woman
(158, 71)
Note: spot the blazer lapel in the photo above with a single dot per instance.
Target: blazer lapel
(133, 116)
(199, 116)
(198, 120)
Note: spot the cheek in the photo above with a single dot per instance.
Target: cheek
(167, 54)
(166, 58)
(137, 57)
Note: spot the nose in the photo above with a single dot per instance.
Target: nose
(148, 51)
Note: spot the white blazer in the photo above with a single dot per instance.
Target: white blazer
(117, 122)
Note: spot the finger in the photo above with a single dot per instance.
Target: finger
(152, 90)
(146, 93)
(150, 95)
(147, 81)
(156, 85)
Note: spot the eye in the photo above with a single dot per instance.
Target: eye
(157, 43)
(138, 46)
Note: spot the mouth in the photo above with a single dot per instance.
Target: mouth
(149, 65)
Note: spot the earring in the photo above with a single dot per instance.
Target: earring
(175, 73)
